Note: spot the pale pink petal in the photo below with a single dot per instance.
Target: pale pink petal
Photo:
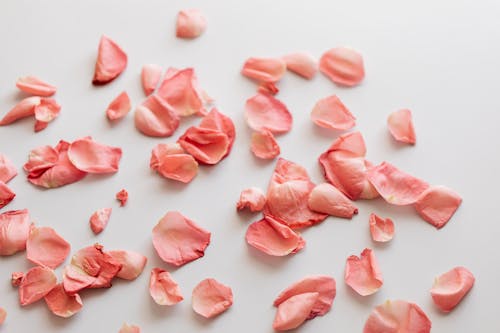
(294, 311)
(35, 284)
(437, 205)
(61, 304)
(342, 65)
(273, 238)
(99, 220)
(362, 273)
(171, 161)
(324, 285)
(264, 145)
(35, 86)
(6, 195)
(327, 199)
(350, 143)
(191, 23)
(119, 107)
(16, 278)
(150, 76)
(46, 248)
(14, 231)
(264, 69)
(45, 112)
(397, 317)
(331, 113)
(126, 328)
(75, 279)
(301, 63)
(382, 230)
(395, 186)
(178, 240)
(156, 118)
(207, 146)
(450, 287)
(93, 157)
(122, 197)
(133, 263)
(264, 112)
(23, 109)
(252, 198)
(268, 88)
(163, 289)
(215, 120)
(40, 159)
(211, 298)
(400, 125)
(161, 150)
(7, 169)
(3, 315)
(111, 61)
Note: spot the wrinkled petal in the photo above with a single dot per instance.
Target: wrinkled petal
(210, 298)
(111, 61)
(437, 205)
(133, 263)
(342, 65)
(171, 161)
(273, 238)
(40, 159)
(163, 289)
(3, 315)
(45, 247)
(126, 328)
(217, 121)
(207, 146)
(363, 274)
(327, 199)
(264, 69)
(150, 76)
(400, 125)
(61, 304)
(35, 284)
(156, 118)
(294, 311)
(450, 287)
(6, 195)
(119, 107)
(16, 278)
(122, 197)
(331, 113)
(252, 198)
(14, 231)
(264, 112)
(264, 145)
(23, 109)
(395, 186)
(301, 63)
(382, 230)
(191, 23)
(93, 157)
(397, 317)
(7, 169)
(35, 86)
(99, 220)
(178, 240)
(45, 112)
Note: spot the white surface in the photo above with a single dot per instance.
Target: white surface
(440, 59)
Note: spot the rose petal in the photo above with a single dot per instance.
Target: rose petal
(382, 230)
(395, 186)
(397, 316)
(191, 23)
(264, 145)
(150, 76)
(210, 298)
(156, 118)
(23, 109)
(122, 197)
(273, 238)
(7, 169)
(171, 161)
(252, 198)
(119, 107)
(268, 88)
(126, 328)
(207, 146)
(16, 278)
(45, 247)
(99, 220)
(111, 61)
(35, 284)
(342, 65)
(178, 240)
(217, 121)
(61, 304)
(92, 157)
(14, 231)
(400, 125)
(264, 69)
(41, 159)
(451, 287)
(162, 150)
(6, 195)
(327, 199)
(437, 205)
(133, 263)
(35, 86)
(301, 63)
(163, 289)
(3, 315)
(362, 273)
(264, 112)
(331, 113)
(294, 311)
(45, 112)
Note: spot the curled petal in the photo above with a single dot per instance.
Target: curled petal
(207, 146)
(119, 107)
(363, 274)
(61, 304)
(217, 121)
(178, 240)
(437, 205)
(133, 263)
(7, 169)
(3, 315)
(40, 159)
(35, 284)
(301, 63)
(6, 194)
(264, 145)
(162, 150)
(163, 289)
(252, 198)
(451, 287)
(155, 117)
(45, 112)
(46, 248)
(382, 230)
(122, 197)
(397, 316)
(111, 61)
(126, 328)
(191, 23)
(92, 157)
(14, 231)
(23, 109)
(150, 76)
(171, 161)
(331, 113)
(35, 86)
(327, 199)
(294, 311)
(342, 65)
(99, 220)
(16, 278)
(210, 298)
(264, 112)
(400, 125)
(264, 69)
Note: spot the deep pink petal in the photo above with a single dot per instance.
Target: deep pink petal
(155, 117)
(210, 298)
(150, 76)
(301, 63)
(119, 107)
(264, 69)
(61, 304)
(35, 284)
(437, 205)
(342, 65)
(294, 311)
(252, 198)
(163, 289)
(14, 231)
(400, 125)
(46, 248)
(93, 157)
(363, 274)
(264, 112)
(111, 61)
(35, 86)
(397, 317)
(331, 113)
(264, 145)
(191, 23)
(451, 287)
(382, 230)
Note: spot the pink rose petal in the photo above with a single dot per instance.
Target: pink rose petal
(45, 112)
(126, 328)
(90, 156)
(163, 289)
(23, 109)
(119, 107)
(331, 113)
(172, 162)
(156, 118)
(264, 145)
(16, 278)
(327, 199)
(451, 287)
(264, 69)
(3, 315)
(211, 298)
(252, 198)
(133, 263)
(273, 238)
(35, 86)
(294, 311)
(264, 112)
(61, 304)
(150, 76)
(111, 61)
(400, 125)
(44, 109)
(301, 63)
(178, 240)
(7, 169)
(35, 284)
(342, 65)
(122, 197)
(215, 120)
(99, 220)
(437, 205)
(191, 23)
(14, 231)
(397, 317)
(362, 273)
(268, 88)
(382, 230)
(6, 195)
(207, 146)
(46, 248)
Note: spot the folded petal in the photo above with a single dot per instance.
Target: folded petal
(45, 247)
(178, 240)
(45, 112)
(3, 315)
(126, 328)
(191, 23)
(397, 317)
(327, 199)
(155, 117)
(207, 146)
(171, 161)
(301, 63)
(451, 287)
(252, 198)
(150, 76)
(14, 231)
(294, 311)
(6, 195)
(382, 230)
(162, 150)
(90, 156)
(7, 169)
(342, 65)
(35, 284)
(122, 197)
(264, 145)
(331, 113)
(215, 120)
(400, 125)
(16, 278)
(437, 205)
(23, 109)
(163, 289)
(264, 69)
(35, 86)
(210, 298)
(111, 61)
(133, 263)
(362, 273)
(119, 107)
(99, 220)
(61, 304)
(264, 112)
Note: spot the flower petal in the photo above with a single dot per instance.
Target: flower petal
(3, 315)
(35, 86)
(363, 274)
(207, 146)
(46, 248)
(342, 65)
(294, 311)
(252, 198)
(264, 112)
(99, 220)
(14, 231)
(400, 125)
(161, 150)
(45, 112)
(7, 169)
(191, 23)
(268, 88)
(301, 63)
(163, 289)
(171, 161)
(92, 157)
(119, 107)
(178, 240)
(437, 205)
(6, 195)
(382, 230)
(264, 69)
(16, 278)
(156, 118)
(210, 298)
(23, 109)
(264, 145)
(215, 120)
(150, 76)
(327, 199)
(35, 284)
(111, 61)
(61, 304)
(451, 287)
(133, 263)
(122, 197)
(397, 316)
(126, 328)
(331, 113)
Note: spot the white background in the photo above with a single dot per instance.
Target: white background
(438, 58)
